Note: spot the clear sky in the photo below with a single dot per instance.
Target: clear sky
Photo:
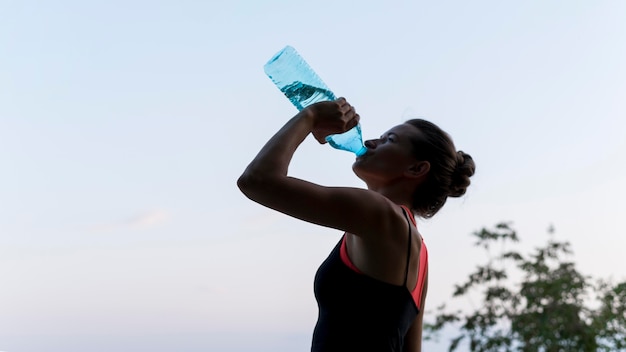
(125, 124)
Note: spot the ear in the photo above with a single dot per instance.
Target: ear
(417, 170)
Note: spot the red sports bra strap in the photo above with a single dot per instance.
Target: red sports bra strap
(421, 277)
(345, 258)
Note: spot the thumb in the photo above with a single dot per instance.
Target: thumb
(354, 122)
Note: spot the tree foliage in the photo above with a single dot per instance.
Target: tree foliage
(548, 306)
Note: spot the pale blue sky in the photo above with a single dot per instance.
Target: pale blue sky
(124, 125)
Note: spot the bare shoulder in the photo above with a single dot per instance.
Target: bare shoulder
(364, 213)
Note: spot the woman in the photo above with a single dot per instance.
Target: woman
(371, 289)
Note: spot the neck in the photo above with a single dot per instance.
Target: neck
(399, 193)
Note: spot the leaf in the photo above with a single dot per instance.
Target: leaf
(454, 343)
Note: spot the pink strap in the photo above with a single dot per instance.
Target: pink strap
(421, 276)
(343, 252)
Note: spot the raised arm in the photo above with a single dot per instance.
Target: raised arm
(265, 180)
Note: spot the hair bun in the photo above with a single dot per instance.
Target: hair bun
(464, 169)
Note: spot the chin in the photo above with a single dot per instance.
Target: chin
(358, 171)
(356, 165)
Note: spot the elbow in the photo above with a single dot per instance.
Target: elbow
(258, 184)
(251, 184)
(245, 183)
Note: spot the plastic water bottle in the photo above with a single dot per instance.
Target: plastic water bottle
(297, 80)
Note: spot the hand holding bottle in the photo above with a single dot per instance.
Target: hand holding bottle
(331, 117)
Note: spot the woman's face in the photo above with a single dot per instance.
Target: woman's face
(389, 156)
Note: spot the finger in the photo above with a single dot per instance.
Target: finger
(346, 108)
(341, 101)
(354, 121)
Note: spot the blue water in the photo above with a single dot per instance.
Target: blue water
(302, 95)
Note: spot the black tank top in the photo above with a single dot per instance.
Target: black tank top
(360, 313)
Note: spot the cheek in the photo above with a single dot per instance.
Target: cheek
(390, 159)
(374, 164)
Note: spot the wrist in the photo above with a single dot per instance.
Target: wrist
(306, 117)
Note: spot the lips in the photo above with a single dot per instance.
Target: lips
(367, 154)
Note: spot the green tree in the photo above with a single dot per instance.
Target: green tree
(549, 306)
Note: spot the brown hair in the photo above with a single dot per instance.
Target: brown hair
(450, 170)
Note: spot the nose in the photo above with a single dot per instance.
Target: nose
(370, 143)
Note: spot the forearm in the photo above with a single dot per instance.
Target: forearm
(272, 162)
